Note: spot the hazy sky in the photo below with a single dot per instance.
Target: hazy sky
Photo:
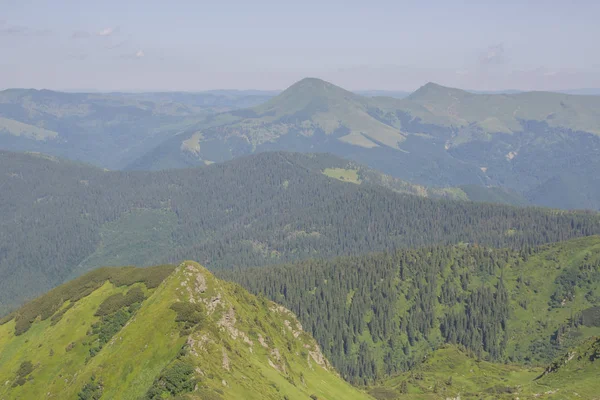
(394, 45)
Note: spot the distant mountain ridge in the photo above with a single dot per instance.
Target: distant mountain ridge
(436, 136)
(543, 146)
(105, 129)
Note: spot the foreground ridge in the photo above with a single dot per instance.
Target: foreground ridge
(191, 335)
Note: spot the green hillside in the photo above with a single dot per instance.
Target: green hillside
(503, 113)
(380, 314)
(450, 372)
(352, 172)
(61, 219)
(157, 333)
(575, 373)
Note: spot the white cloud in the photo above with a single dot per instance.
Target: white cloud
(106, 32)
(139, 54)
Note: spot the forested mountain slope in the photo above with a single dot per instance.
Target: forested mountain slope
(545, 146)
(155, 333)
(350, 171)
(377, 315)
(59, 219)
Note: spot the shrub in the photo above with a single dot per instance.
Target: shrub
(91, 390)
(108, 326)
(25, 369)
(117, 301)
(175, 379)
(46, 305)
(192, 315)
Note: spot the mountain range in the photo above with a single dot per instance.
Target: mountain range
(543, 146)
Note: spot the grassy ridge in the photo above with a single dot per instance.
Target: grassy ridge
(502, 113)
(239, 346)
(109, 130)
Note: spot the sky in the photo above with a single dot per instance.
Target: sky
(266, 44)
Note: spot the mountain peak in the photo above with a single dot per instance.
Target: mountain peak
(431, 89)
(311, 93)
(159, 322)
(309, 80)
(315, 87)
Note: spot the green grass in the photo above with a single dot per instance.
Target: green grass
(223, 346)
(450, 372)
(575, 374)
(342, 174)
(17, 128)
(71, 292)
(358, 174)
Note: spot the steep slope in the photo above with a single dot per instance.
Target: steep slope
(379, 314)
(59, 219)
(186, 334)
